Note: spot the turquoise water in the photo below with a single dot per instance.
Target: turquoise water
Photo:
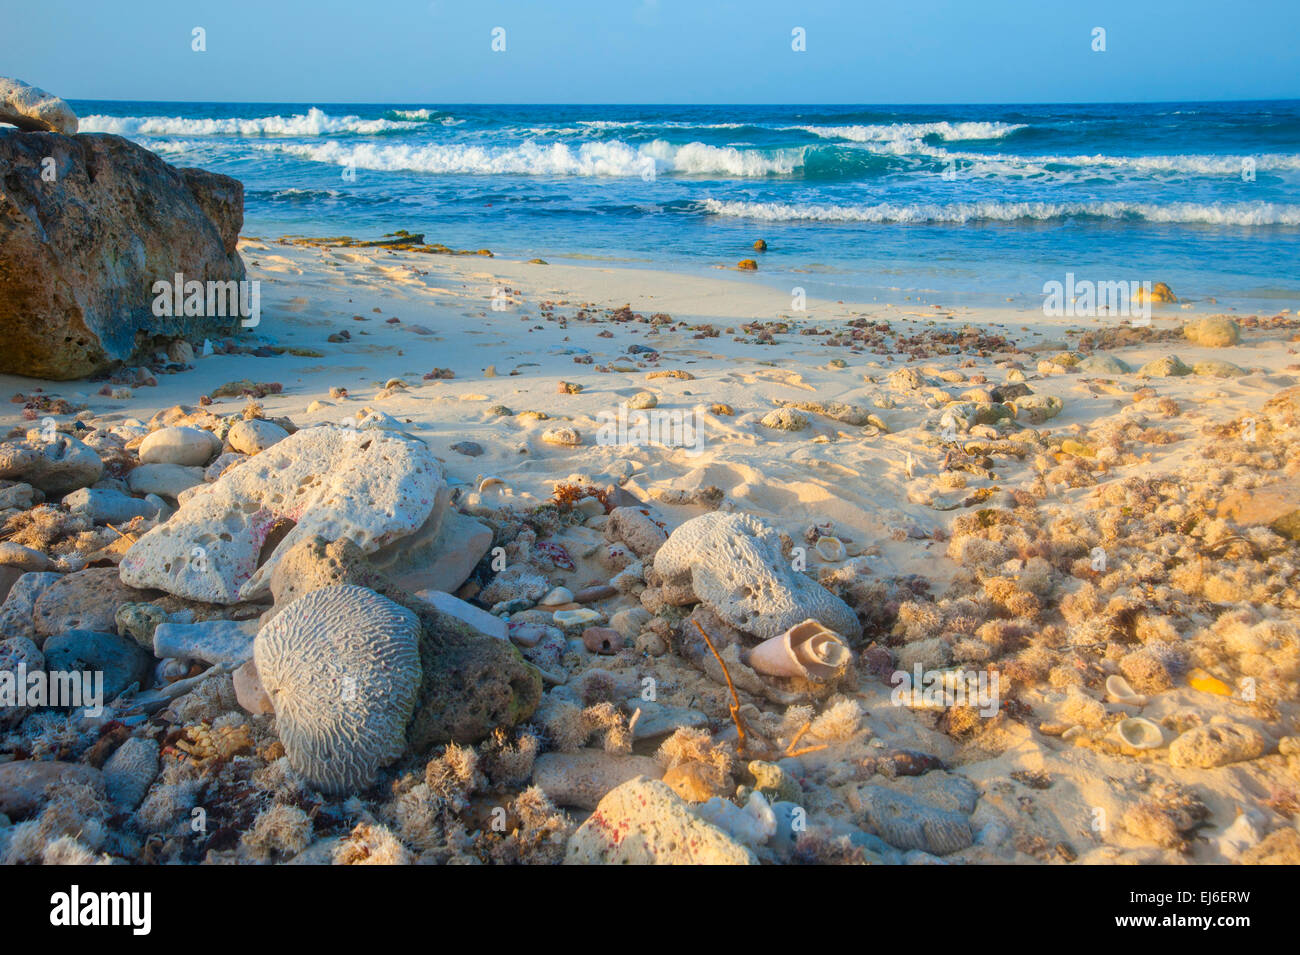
(960, 204)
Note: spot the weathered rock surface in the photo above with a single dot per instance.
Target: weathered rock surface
(16, 614)
(56, 466)
(192, 447)
(85, 600)
(584, 778)
(643, 822)
(447, 562)
(79, 255)
(1217, 745)
(480, 620)
(120, 659)
(733, 563)
(371, 487)
(223, 642)
(107, 506)
(19, 656)
(33, 110)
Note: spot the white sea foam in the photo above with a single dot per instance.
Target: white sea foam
(913, 131)
(1235, 214)
(1178, 163)
(314, 122)
(611, 158)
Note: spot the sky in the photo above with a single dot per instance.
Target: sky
(655, 51)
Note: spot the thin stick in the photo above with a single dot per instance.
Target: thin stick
(791, 751)
(735, 700)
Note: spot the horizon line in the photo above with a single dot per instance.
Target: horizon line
(430, 102)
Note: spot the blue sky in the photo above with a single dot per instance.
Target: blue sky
(655, 51)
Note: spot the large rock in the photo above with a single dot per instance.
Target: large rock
(85, 600)
(733, 564)
(33, 110)
(447, 562)
(371, 487)
(1213, 331)
(57, 466)
(192, 447)
(643, 822)
(120, 660)
(80, 253)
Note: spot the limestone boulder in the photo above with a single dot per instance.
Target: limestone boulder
(225, 541)
(88, 225)
(733, 564)
(32, 109)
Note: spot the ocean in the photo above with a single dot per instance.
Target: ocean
(975, 205)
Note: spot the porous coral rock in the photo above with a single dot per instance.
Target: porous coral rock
(734, 564)
(371, 487)
(644, 822)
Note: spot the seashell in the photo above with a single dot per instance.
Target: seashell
(1140, 733)
(169, 670)
(1119, 691)
(1200, 680)
(831, 548)
(1073, 733)
(488, 482)
(806, 650)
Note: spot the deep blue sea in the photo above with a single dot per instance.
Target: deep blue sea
(959, 204)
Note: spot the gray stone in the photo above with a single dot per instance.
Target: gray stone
(16, 618)
(480, 620)
(224, 642)
(107, 506)
(165, 480)
(662, 719)
(120, 660)
(54, 466)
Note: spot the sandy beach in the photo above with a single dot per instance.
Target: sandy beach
(986, 492)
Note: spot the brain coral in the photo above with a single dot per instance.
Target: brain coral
(342, 667)
(373, 487)
(734, 564)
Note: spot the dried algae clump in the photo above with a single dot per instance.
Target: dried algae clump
(371, 844)
(734, 564)
(279, 830)
(342, 668)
